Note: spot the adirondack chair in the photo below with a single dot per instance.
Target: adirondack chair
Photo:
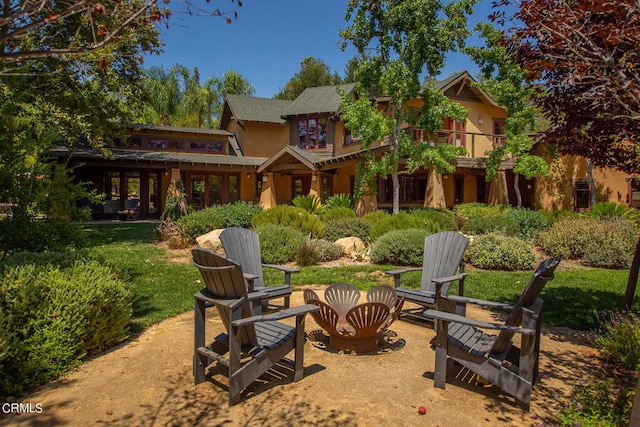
(131, 210)
(495, 358)
(252, 344)
(243, 245)
(441, 265)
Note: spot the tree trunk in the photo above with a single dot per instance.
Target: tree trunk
(516, 188)
(632, 282)
(395, 179)
(434, 193)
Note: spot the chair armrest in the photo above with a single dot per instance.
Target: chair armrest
(466, 300)
(278, 315)
(286, 270)
(256, 295)
(450, 317)
(231, 303)
(443, 280)
(396, 274)
(249, 278)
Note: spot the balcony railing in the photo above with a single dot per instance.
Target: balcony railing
(475, 143)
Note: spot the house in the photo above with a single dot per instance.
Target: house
(270, 151)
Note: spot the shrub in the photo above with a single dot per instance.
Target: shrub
(529, 222)
(351, 227)
(374, 217)
(444, 218)
(619, 338)
(279, 243)
(498, 252)
(502, 224)
(464, 211)
(339, 201)
(197, 223)
(337, 213)
(400, 247)
(53, 315)
(297, 218)
(27, 233)
(607, 209)
(607, 243)
(309, 202)
(315, 251)
(401, 221)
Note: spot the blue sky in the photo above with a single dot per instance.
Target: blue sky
(269, 40)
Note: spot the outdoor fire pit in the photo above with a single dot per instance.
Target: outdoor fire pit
(354, 327)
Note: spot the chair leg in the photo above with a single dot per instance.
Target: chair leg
(298, 372)
(287, 302)
(199, 337)
(440, 371)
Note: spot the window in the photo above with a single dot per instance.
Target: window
(312, 134)
(300, 185)
(457, 137)
(157, 143)
(176, 145)
(581, 195)
(634, 193)
(498, 129)
(412, 189)
(208, 189)
(349, 138)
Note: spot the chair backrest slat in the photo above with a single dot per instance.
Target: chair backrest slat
(531, 292)
(224, 280)
(443, 253)
(243, 246)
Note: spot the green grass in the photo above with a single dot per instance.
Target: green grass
(164, 289)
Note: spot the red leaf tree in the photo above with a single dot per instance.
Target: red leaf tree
(584, 58)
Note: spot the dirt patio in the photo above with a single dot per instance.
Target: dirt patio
(148, 381)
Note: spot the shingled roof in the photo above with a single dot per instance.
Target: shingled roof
(256, 109)
(321, 99)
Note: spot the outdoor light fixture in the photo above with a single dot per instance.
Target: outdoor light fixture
(480, 120)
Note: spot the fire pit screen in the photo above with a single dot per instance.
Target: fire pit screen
(354, 327)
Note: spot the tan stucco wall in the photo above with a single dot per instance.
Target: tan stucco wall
(263, 139)
(556, 192)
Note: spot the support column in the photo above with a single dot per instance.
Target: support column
(268, 194)
(316, 185)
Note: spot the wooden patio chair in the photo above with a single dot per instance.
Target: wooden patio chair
(131, 210)
(252, 344)
(495, 358)
(243, 246)
(441, 265)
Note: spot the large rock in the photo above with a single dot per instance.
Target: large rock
(350, 245)
(211, 240)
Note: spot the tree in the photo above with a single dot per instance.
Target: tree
(37, 30)
(313, 72)
(504, 80)
(583, 57)
(397, 41)
(164, 92)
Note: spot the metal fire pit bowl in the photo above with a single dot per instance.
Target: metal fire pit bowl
(353, 327)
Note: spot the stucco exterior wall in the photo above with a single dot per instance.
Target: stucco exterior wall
(263, 139)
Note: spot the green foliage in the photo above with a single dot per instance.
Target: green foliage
(297, 218)
(339, 201)
(236, 214)
(529, 222)
(499, 252)
(607, 209)
(502, 224)
(401, 220)
(350, 227)
(175, 205)
(319, 250)
(310, 203)
(605, 243)
(339, 212)
(374, 217)
(619, 338)
(279, 243)
(313, 73)
(400, 247)
(475, 209)
(27, 233)
(54, 312)
(444, 218)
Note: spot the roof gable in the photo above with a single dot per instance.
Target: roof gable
(251, 108)
(321, 99)
(460, 86)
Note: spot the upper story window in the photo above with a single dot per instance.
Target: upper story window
(498, 129)
(211, 147)
(312, 134)
(350, 138)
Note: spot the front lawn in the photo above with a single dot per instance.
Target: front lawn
(163, 288)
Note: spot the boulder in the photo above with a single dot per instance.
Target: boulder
(350, 245)
(211, 240)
